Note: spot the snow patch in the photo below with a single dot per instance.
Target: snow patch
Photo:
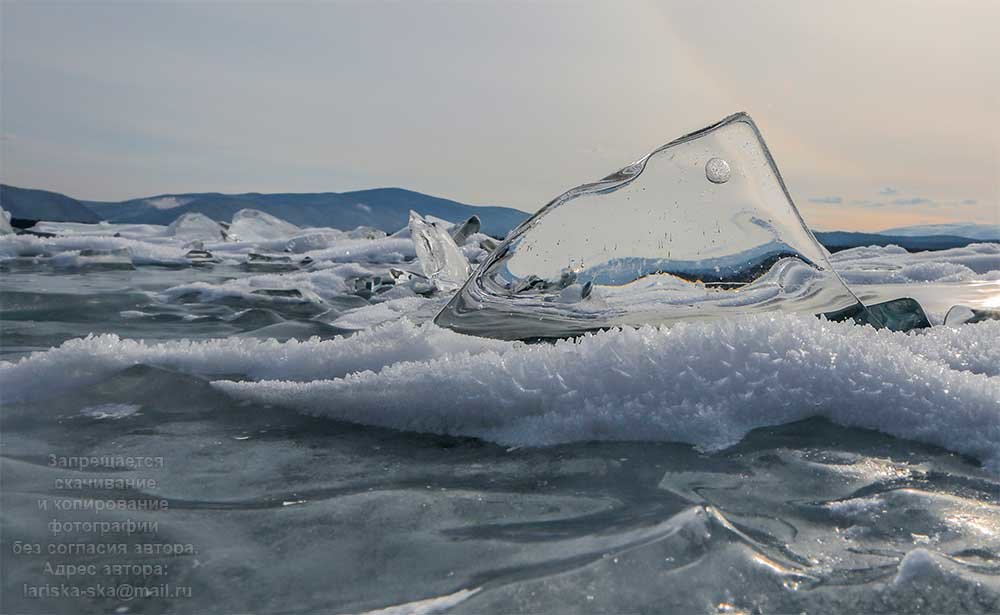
(167, 202)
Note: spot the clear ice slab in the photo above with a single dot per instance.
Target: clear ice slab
(195, 226)
(255, 225)
(440, 257)
(703, 227)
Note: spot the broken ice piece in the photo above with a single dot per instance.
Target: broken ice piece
(440, 257)
(703, 227)
(199, 256)
(414, 281)
(195, 226)
(264, 258)
(366, 287)
(963, 315)
(5, 227)
(461, 232)
(903, 314)
(286, 293)
(254, 225)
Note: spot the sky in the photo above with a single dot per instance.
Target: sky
(878, 113)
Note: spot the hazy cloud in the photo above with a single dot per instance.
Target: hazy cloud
(911, 201)
(487, 103)
(827, 200)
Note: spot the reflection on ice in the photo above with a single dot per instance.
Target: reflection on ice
(700, 228)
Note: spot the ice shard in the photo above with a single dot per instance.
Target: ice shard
(5, 227)
(461, 232)
(255, 225)
(440, 257)
(703, 227)
(903, 314)
(195, 226)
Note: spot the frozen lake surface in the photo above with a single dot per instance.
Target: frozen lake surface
(316, 444)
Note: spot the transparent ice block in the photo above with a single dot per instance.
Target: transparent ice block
(440, 257)
(702, 227)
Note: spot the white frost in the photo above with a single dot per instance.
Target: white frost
(707, 384)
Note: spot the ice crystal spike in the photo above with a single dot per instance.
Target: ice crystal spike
(703, 227)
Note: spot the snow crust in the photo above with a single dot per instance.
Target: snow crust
(83, 361)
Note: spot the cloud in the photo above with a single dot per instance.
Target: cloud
(888, 190)
(969, 202)
(827, 200)
(912, 201)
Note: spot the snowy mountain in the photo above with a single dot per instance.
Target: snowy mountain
(983, 232)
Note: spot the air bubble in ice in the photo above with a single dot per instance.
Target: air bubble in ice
(717, 171)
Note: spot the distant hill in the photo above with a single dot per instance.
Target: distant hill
(984, 232)
(388, 209)
(384, 208)
(834, 241)
(25, 204)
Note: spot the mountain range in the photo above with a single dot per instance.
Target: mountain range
(388, 209)
(383, 208)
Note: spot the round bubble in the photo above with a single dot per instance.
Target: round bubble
(717, 171)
